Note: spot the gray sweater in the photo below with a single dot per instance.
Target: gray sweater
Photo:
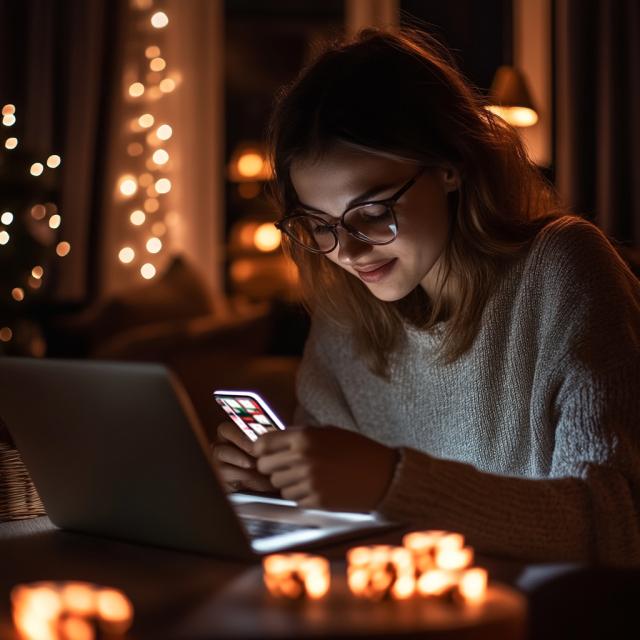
(529, 444)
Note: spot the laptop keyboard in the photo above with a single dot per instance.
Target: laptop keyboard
(257, 528)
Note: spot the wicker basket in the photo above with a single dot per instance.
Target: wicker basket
(18, 496)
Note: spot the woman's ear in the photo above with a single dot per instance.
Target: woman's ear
(450, 178)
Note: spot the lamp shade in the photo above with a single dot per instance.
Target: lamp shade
(510, 98)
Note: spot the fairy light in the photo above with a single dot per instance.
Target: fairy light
(167, 85)
(8, 120)
(136, 89)
(53, 161)
(137, 217)
(147, 271)
(37, 272)
(154, 245)
(4, 237)
(126, 255)
(36, 169)
(147, 148)
(146, 120)
(6, 334)
(160, 156)
(6, 218)
(157, 64)
(11, 143)
(135, 149)
(17, 294)
(38, 212)
(159, 20)
(128, 185)
(163, 185)
(54, 221)
(63, 248)
(164, 132)
(8, 110)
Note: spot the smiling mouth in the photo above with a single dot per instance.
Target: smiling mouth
(375, 273)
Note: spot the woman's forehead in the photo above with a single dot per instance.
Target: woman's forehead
(344, 169)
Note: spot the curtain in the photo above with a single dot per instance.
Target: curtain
(55, 67)
(597, 89)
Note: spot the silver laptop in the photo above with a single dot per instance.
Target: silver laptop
(115, 449)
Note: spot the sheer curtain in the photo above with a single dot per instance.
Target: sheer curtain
(597, 106)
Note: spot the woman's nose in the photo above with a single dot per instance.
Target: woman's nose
(349, 248)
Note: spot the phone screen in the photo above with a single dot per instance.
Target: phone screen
(249, 412)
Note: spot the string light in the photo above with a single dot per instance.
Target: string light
(167, 85)
(9, 120)
(160, 156)
(38, 212)
(54, 221)
(53, 161)
(8, 110)
(17, 294)
(6, 218)
(164, 132)
(157, 64)
(36, 169)
(159, 20)
(126, 255)
(5, 334)
(148, 145)
(136, 89)
(135, 149)
(11, 143)
(137, 217)
(147, 271)
(63, 248)
(154, 245)
(163, 185)
(146, 121)
(37, 272)
(128, 185)
(4, 237)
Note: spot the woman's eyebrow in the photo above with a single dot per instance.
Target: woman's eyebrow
(363, 197)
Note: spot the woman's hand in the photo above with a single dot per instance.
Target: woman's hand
(326, 467)
(235, 459)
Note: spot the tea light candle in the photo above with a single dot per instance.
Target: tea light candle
(69, 610)
(295, 575)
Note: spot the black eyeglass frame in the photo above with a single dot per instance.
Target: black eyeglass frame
(390, 202)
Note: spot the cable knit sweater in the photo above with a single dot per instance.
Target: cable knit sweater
(529, 443)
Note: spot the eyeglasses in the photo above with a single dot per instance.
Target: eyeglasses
(373, 222)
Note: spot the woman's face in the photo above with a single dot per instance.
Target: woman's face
(393, 270)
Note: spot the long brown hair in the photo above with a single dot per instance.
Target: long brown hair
(399, 92)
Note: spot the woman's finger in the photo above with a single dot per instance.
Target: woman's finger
(289, 476)
(269, 464)
(298, 492)
(232, 455)
(231, 433)
(235, 479)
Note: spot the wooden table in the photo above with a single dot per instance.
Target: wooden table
(184, 595)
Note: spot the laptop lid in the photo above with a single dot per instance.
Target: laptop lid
(111, 450)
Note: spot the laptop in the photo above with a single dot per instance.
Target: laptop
(115, 449)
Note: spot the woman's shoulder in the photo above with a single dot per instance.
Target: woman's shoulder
(572, 250)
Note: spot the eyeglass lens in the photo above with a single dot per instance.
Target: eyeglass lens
(373, 223)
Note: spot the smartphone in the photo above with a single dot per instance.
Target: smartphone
(249, 412)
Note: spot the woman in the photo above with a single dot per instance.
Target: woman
(474, 357)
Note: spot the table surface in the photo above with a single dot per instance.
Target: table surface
(175, 594)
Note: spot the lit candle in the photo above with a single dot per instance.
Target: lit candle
(56, 610)
(295, 575)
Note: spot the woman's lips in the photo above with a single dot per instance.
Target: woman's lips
(375, 275)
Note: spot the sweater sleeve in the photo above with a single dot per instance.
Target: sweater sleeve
(587, 508)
